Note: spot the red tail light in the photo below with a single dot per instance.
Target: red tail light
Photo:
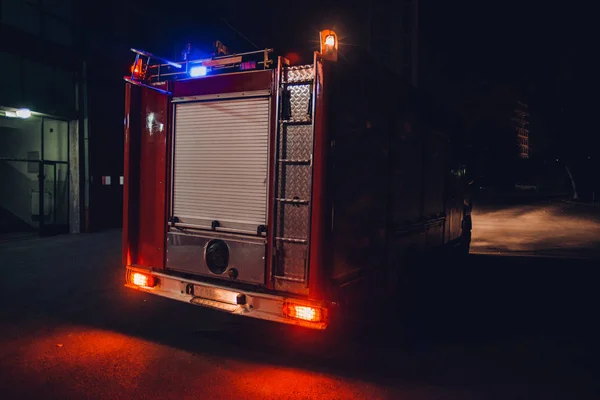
(304, 312)
(142, 280)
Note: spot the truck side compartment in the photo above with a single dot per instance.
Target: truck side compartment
(389, 184)
(145, 176)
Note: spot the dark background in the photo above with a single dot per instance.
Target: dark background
(475, 61)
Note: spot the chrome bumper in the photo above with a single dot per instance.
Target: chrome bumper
(250, 304)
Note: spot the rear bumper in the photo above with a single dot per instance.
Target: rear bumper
(250, 304)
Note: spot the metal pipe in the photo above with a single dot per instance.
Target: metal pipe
(164, 60)
(192, 62)
(217, 230)
(136, 83)
(243, 54)
(156, 76)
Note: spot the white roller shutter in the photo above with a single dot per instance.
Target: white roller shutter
(220, 163)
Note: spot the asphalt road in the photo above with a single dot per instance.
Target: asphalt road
(493, 328)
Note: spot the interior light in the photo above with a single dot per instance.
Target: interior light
(199, 70)
(23, 113)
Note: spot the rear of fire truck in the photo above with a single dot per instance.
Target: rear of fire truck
(288, 193)
(224, 168)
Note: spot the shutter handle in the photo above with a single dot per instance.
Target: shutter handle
(261, 229)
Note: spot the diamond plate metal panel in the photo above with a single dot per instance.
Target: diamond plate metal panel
(293, 263)
(300, 73)
(291, 287)
(300, 97)
(295, 181)
(295, 221)
(296, 142)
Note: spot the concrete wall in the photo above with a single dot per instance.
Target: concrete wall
(19, 185)
(52, 19)
(56, 140)
(40, 87)
(20, 191)
(19, 180)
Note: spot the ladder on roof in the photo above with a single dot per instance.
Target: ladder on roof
(148, 67)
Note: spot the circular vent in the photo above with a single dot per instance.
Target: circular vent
(216, 256)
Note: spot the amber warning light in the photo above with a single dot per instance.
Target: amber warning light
(136, 68)
(329, 45)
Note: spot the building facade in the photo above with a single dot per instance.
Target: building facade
(42, 86)
(61, 112)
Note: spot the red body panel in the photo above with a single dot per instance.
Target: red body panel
(230, 83)
(321, 206)
(127, 169)
(144, 202)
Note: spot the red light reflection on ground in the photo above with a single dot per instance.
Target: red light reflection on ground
(78, 361)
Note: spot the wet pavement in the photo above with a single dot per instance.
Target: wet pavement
(494, 327)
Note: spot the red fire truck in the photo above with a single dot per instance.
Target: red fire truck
(289, 193)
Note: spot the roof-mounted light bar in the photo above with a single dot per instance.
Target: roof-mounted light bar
(155, 68)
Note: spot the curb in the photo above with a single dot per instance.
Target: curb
(579, 203)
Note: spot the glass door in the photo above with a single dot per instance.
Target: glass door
(54, 197)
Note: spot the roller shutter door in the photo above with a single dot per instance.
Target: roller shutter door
(220, 163)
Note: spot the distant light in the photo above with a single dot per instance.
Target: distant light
(23, 113)
(199, 70)
(557, 160)
(10, 114)
(330, 40)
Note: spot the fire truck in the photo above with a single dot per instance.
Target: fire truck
(290, 193)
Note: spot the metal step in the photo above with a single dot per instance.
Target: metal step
(296, 83)
(299, 202)
(287, 278)
(291, 161)
(292, 240)
(296, 122)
